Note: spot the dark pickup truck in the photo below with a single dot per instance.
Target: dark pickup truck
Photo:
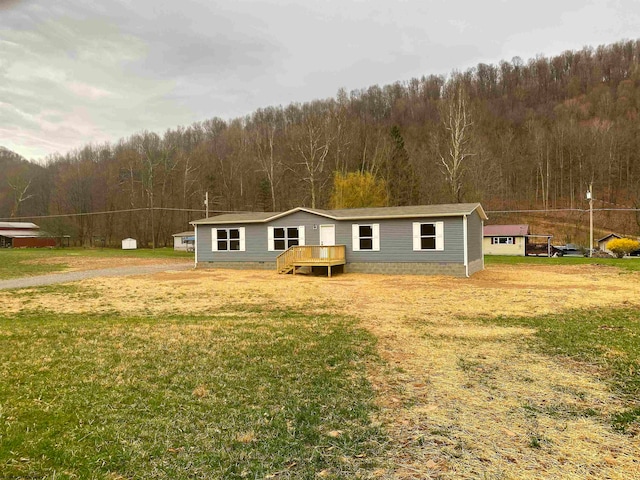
(570, 249)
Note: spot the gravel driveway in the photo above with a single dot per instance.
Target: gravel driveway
(39, 280)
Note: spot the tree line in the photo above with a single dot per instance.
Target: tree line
(517, 135)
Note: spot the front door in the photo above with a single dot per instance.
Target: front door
(327, 234)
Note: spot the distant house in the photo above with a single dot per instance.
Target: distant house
(24, 234)
(428, 239)
(505, 239)
(604, 241)
(184, 241)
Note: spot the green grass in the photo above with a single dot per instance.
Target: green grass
(98, 397)
(630, 264)
(16, 262)
(607, 338)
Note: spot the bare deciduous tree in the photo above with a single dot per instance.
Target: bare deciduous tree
(19, 185)
(312, 146)
(457, 123)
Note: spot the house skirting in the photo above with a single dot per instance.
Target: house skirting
(476, 266)
(408, 268)
(239, 265)
(391, 268)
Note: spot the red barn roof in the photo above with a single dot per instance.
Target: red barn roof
(18, 226)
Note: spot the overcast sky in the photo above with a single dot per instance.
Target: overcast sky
(74, 72)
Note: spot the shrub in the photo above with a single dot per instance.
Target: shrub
(622, 246)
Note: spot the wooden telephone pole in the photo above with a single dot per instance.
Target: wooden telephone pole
(590, 198)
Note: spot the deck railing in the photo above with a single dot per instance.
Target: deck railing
(310, 255)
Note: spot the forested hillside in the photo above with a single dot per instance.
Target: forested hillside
(514, 136)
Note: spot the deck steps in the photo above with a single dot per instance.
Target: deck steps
(308, 256)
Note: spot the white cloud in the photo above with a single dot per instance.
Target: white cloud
(79, 71)
(89, 91)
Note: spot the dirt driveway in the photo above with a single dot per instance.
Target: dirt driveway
(461, 399)
(78, 273)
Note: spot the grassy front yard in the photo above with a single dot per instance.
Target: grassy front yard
(527, 370)
(282, 395)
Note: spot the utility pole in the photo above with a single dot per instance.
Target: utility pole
(590, 198)
(206, 204)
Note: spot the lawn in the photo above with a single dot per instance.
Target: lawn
(629, 264)
(22, 262)
(527, 370)
(282, 395)
(608, 338)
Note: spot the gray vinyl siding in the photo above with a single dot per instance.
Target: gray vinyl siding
(396, 240)
(311, 223)
(253, 245)
(474, 236)
(256, 238)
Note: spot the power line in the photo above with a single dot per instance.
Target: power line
(130, 210)
(108, 212)
(553, 210)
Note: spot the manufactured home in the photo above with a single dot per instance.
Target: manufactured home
(184, 241)
(505, 239)
(427, 239)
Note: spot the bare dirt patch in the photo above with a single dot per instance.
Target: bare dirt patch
(460, 399)
(82, 262)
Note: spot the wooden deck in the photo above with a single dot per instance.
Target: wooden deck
(311, 256)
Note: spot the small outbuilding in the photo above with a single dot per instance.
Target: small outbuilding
(24, 234)
(604, 241)
(505, 239)
(184, 241)
(129, 244)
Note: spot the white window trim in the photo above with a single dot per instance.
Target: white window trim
(510, 240)
(195, 248)
(271, 244)
(214, 239)
(465, 236)
(417, 242)
(355, 237)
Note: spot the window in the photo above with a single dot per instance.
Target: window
(503, 240)
(365, 237)
(282, 238)
(227, 239)
(428, 236)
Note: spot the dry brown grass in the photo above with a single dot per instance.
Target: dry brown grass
(79, 262)
(460, 399)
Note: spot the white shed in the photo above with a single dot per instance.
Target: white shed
(129, 244)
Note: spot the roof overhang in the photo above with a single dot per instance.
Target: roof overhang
(614, 235)
(22, 233)
(332, 216)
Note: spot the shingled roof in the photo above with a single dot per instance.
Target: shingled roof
(506, 230)
(415, 211)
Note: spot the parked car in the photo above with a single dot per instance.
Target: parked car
(570, 249)
(635, 253)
